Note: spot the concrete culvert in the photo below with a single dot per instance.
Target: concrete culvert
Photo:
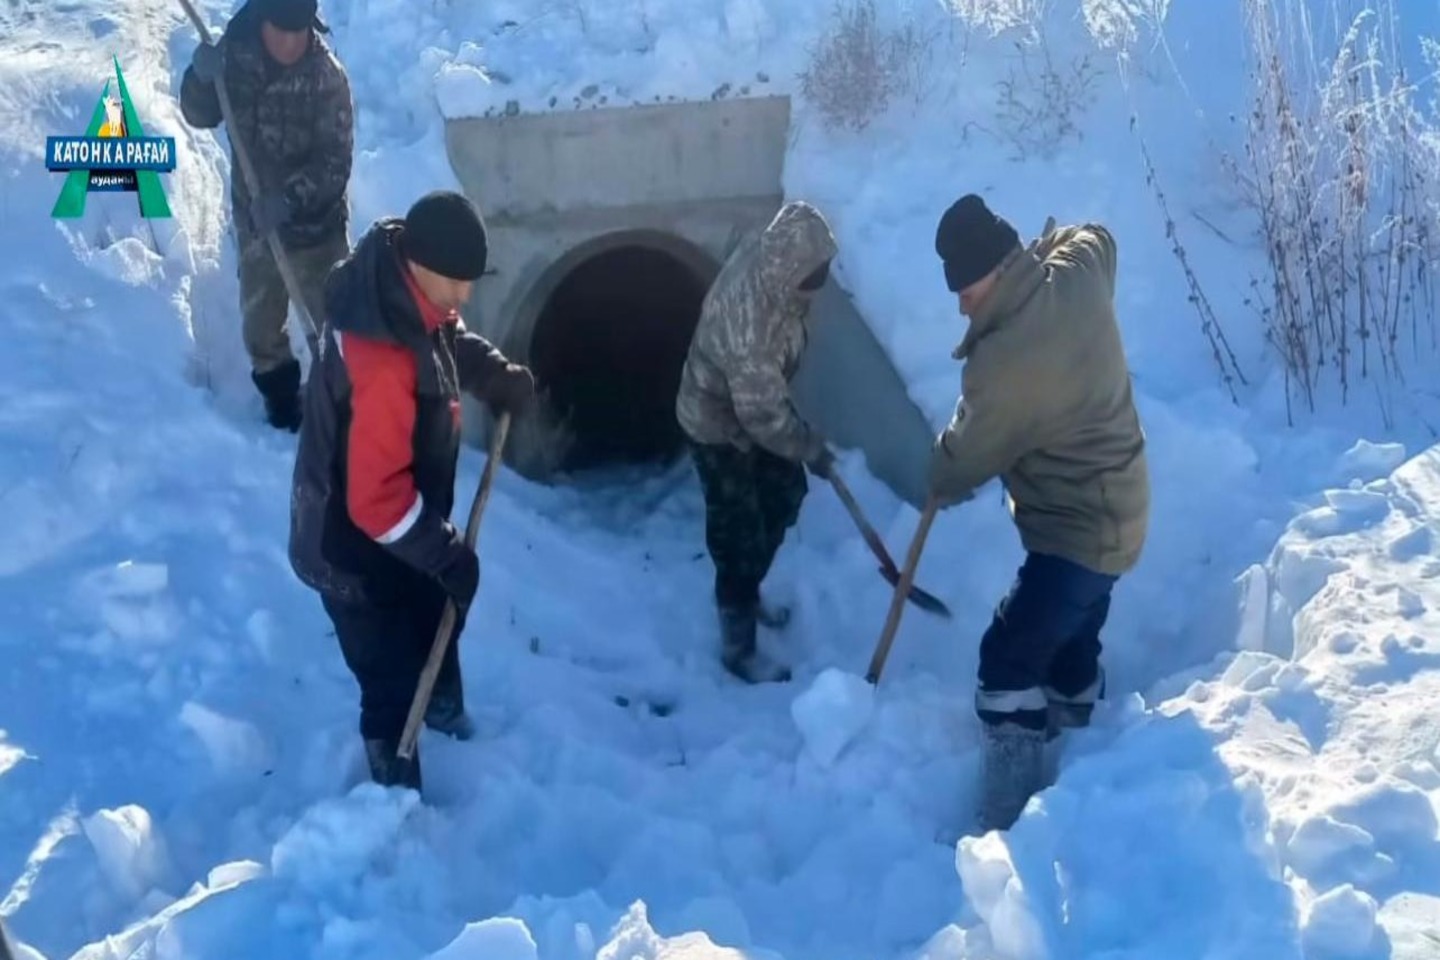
(606, 227)
(608, 346)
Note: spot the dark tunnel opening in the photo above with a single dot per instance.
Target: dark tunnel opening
(609, 346)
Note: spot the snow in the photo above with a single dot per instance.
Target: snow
(179, 771)
(832, 712)
(502, 938)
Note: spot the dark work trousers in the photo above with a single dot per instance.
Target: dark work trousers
(1043, 643)
(385, 643)
(752, 497)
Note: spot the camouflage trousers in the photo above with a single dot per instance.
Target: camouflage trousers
(265, 303)
(752, 497)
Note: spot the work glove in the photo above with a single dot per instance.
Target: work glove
(822, 463)
(270, 211)
(208, 62)
(460, 574)
(511, 390)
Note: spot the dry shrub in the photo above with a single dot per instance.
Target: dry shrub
(857, 67)
(1341, 169)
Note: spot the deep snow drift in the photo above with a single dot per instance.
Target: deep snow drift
(179, 774)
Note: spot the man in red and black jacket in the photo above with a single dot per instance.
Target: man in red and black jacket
(375, 470)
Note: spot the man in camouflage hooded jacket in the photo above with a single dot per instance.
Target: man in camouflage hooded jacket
(294, 113)
(749, 443)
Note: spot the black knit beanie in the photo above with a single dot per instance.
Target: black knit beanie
(292, 15)
(971, 241)
(444, 233)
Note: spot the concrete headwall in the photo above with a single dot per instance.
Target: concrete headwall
(688, 179)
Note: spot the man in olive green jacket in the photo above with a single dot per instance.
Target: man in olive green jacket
(750, 445)
(1046, 406)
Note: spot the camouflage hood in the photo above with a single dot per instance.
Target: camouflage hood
(795, 243)
(747, 345)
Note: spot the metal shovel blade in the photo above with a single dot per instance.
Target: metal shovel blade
(921, 598)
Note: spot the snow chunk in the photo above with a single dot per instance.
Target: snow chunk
(262, 630)
(336, 841)
(1397, 814)
(463, 90)
(231, 874)
(134, 605)
(499, 938)
(235, 748)
(634, 939)
(130, 851)
(995, 888)
(131, 579)
(1369, 461)
(1340, 924)
(1321, 844)
(24, 951)
(835, 708)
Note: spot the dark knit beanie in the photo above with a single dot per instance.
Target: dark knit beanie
(292, 15)
(444, 233)
(971, 241)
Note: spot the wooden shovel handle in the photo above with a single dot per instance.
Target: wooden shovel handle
(902, 591)
(872, 538)
(426, 686)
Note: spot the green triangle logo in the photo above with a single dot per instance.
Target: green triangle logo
(111, 157)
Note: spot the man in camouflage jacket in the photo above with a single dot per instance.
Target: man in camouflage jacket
(294, 113)
(1048, 408)
(750, 445)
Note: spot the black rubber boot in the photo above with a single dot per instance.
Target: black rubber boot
(775, 617)
(739, 652)
(1072, 712)
(281, 390)
(388, 769)
(446, 714)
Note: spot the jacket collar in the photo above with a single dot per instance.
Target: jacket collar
(1021, 274)
(430, 315)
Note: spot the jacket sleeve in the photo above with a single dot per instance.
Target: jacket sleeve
(478, 360)
(761, 398)
(321, 181)
(381, 496)
(199, 103)
(983, 440)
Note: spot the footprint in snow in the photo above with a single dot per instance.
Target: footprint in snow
(1403, 659)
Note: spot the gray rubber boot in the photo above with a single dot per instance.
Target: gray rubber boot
(739, 652)
(1011, 772)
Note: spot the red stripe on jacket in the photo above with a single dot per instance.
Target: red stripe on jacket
(380, 484)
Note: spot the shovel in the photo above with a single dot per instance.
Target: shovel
(897, 604)
(426, 686)
(925, 601)
(252, 183)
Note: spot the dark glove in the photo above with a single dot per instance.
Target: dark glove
(270, 211)
(822, 463)
(208, 62)
(460, 576)
(511, 390)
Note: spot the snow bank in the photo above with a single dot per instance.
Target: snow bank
(1304, 772)
(184, 709)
